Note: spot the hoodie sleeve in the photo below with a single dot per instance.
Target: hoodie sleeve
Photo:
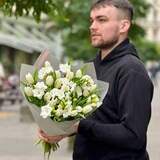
(134, 98)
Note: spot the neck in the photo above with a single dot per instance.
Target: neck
(106, 51)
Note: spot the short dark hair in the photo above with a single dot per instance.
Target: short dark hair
(124, 5)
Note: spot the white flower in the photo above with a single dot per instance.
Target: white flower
(69, 75)
(72, 85)
(89, 99)
(89, 79)
(47, 64)
(79, 109)
(47, 97)
(85, 92)
(58, 83)
(73, 113)
(59, 112)
(58, 74)
(87, 109)
(28, 91)
(64, 67)
(53, 102)
(40, 86)
(41, 73)
(79, 73)
(95, 98)
(29, 78)
(65, 88)
(78, 91)
(49, 80)
(67, 112)
(38, 93)
(56, 92)
(46, 111)
(48, 69)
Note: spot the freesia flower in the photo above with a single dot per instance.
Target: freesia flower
(64, 68)
(45, 111)
(38, 93)
(40, 86)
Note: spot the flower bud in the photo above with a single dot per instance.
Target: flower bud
(69, 75)
(58, 83)
(87, 109)
(78, 91)
(49, 80)
(47, 64)
(79, 73)
(47, 97)
(73, 113)
(29, 78)
(85, 92)
(28, 91)
(58, 74)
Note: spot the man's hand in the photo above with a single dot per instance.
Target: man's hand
(50, 139)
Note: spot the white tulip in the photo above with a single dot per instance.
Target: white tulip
(47, 97)
(89, 99)
(28, 91)
(85, 92)
(78, 91)
(45, 111)
(58, 83)
(58, 74)
(87, 109)
(49, 80)
(65, 87)
(69, 75)
(94, 104)
(74, 113)
(79, 73)
(29, 78)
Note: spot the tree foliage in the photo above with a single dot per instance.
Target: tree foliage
(72, 18)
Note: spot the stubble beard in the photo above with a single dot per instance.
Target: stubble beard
(106, 44)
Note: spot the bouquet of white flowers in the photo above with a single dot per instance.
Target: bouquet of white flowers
(59, 95)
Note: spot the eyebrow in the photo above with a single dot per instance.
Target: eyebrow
(100, 16)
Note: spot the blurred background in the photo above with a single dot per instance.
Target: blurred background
(28, 28)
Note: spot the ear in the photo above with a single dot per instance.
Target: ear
(124, 26)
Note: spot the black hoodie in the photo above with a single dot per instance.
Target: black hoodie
(117, 129)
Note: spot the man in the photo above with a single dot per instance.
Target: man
(117, 129)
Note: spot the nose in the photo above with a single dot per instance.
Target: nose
(93, 26)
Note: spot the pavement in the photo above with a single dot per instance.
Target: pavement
(17, 137)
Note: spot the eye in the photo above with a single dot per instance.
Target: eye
(102, 20)
(91, 21)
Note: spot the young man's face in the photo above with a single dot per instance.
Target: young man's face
(105, 26)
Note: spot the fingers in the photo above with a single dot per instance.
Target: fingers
(50, 139)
